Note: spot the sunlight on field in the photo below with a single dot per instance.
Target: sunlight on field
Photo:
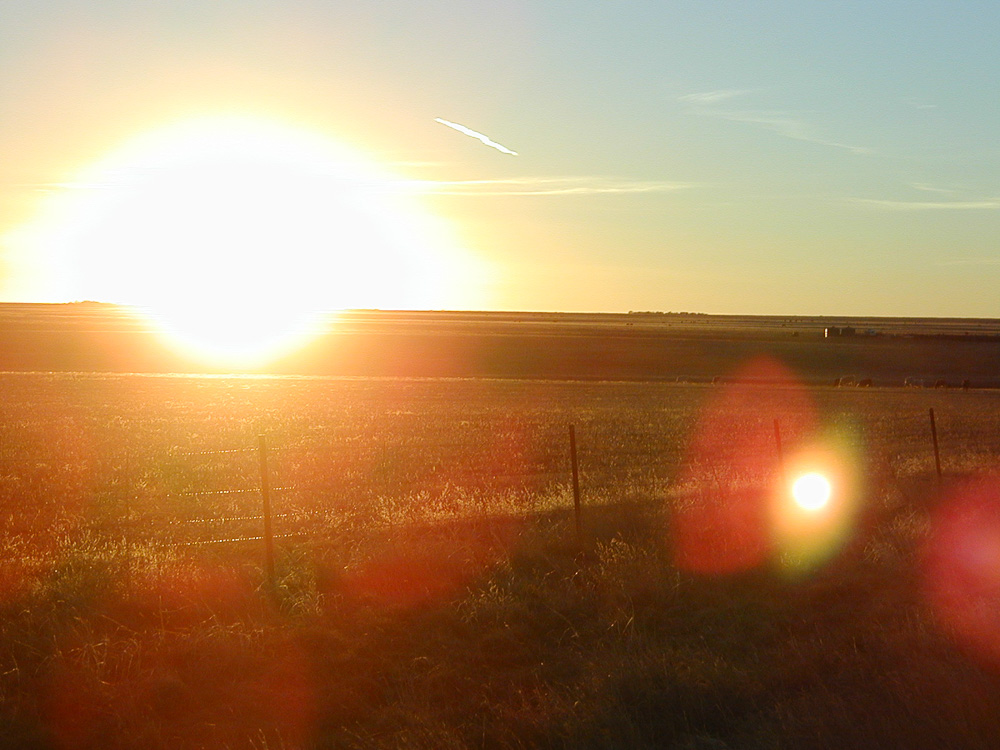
(427, 560)
(234, 233)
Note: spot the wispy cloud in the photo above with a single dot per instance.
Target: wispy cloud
(714, 97)
(547, 186)
(948, 199)
(918, 104)
(924, 187)
(515, 186)
(789, 125)
(785, 123)
(990, 204)
(477, 135)
(416, 164)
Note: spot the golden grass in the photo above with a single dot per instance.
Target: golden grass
(437, 595)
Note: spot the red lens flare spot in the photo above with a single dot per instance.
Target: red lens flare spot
(405, 580)
(243, 676)
(732, 460)
(723, 534)
(425, 570)
(183, 593)
(962, 568)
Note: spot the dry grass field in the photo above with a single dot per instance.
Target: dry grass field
(431, 591)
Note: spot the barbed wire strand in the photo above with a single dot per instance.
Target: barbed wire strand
(203, 542)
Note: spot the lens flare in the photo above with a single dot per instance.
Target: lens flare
(738, 511)
(961, 567)
(812, 491)
(814, 515)
(731, 463)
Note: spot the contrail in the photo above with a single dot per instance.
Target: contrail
(478, 136)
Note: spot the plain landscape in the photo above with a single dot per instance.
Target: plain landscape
(651, 346)
(431, 586)
(499, 375)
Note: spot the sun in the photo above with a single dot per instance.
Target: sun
(236, 235)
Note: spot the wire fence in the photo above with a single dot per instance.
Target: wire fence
(213, 498)
(257, 526)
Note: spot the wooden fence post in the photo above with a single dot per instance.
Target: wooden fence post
(265, 494)
(781, 455)
(937, 453)
(127, 536)
(576, 483)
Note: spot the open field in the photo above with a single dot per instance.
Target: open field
(434, 594)
(641, 347)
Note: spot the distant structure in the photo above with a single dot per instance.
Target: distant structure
(838, 331)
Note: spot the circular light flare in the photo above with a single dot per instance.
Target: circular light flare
(815, 506)
(812, 491)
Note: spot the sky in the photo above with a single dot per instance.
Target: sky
(781, 158)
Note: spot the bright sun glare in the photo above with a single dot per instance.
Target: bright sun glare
(235, 234)
(811, 491)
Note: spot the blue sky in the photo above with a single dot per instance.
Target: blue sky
(754, 157)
